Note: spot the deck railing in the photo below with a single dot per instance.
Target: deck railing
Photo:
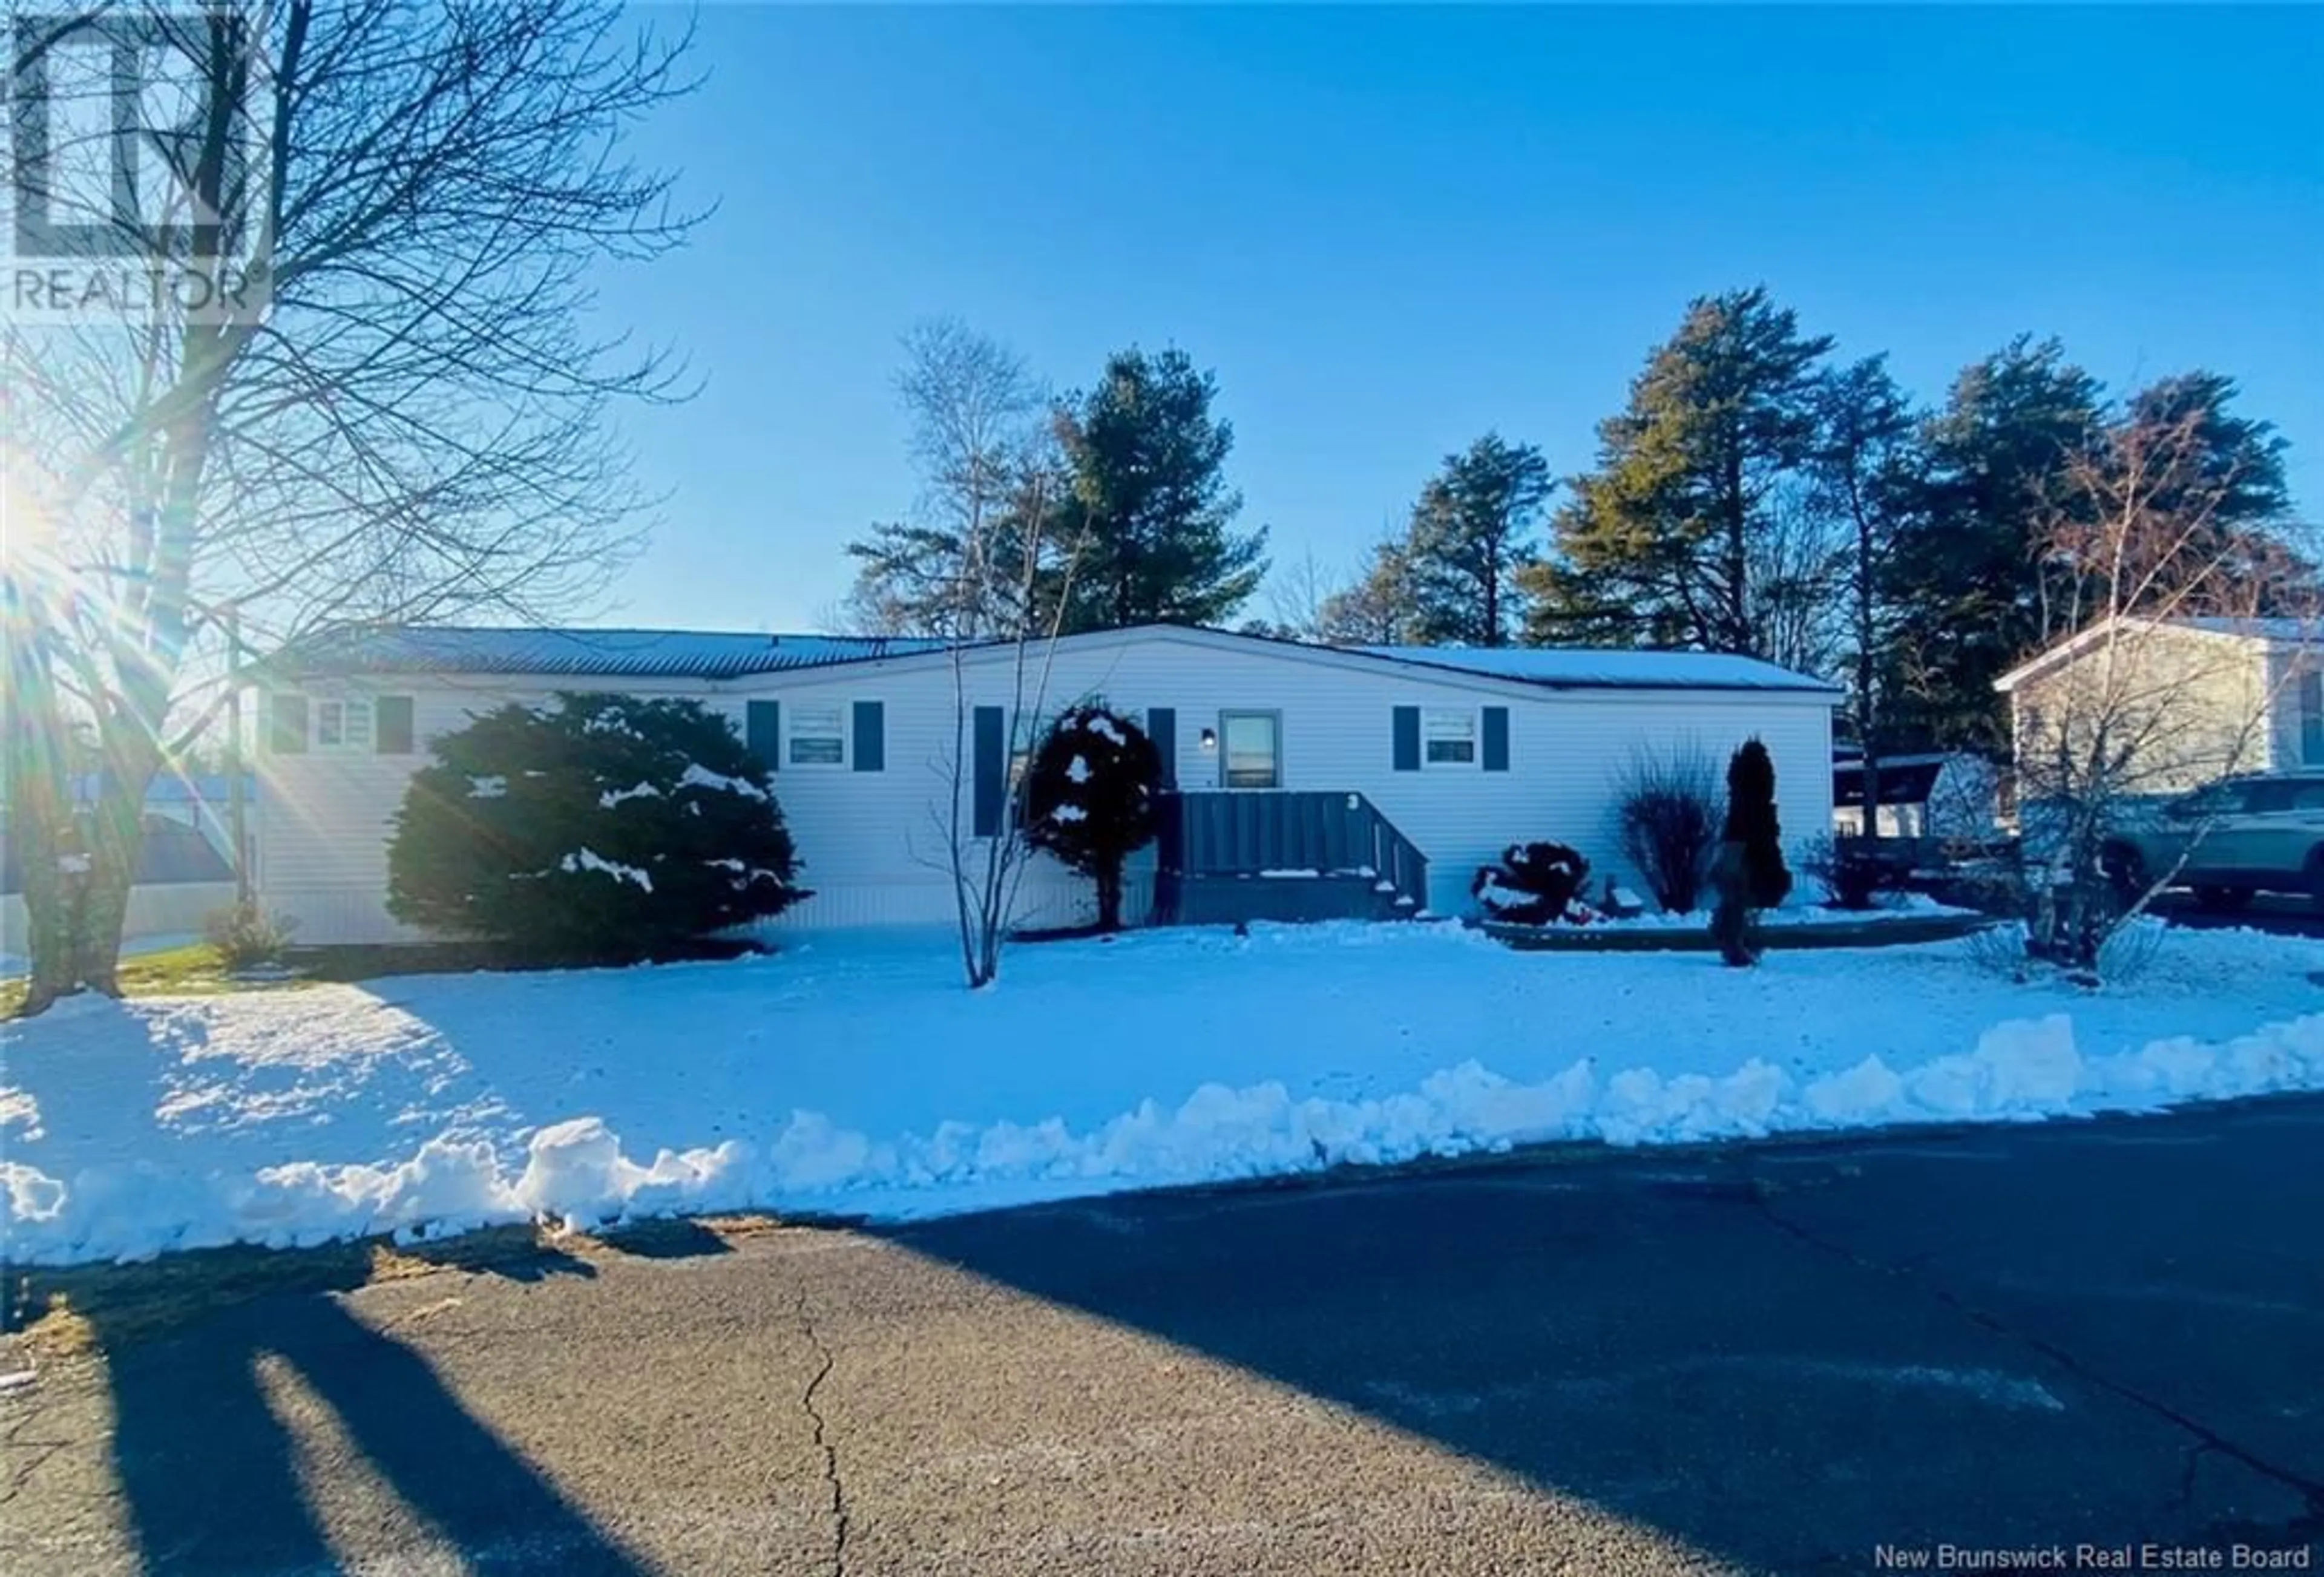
(1330, 833)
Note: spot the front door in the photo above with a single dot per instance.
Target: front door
(1250, 749)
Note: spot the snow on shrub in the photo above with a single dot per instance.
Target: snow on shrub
(1535, 884)
(603, 827)
(1089, 797)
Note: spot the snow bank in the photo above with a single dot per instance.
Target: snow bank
(295, 1117)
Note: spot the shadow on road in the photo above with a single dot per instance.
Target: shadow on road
(211, 1470)
(1788, 1358)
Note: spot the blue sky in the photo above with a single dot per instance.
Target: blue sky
(1389, 230)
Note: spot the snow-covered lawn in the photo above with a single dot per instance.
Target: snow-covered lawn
(854, 1074)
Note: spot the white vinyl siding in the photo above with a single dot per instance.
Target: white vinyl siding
(872, 842)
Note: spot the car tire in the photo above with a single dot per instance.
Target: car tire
(2224, 900)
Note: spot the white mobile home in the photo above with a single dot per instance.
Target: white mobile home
(1398, 769)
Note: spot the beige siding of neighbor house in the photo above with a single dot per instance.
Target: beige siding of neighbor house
(873, 842)
(2286, 668)
(2197, 705)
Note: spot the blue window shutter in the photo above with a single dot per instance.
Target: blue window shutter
(1407, 739)
(390, 729)
(1497, 739)
(871, 736)
(762, 732)
(1162, 728)
(287, 732)
(992, 772)
(2311, 719)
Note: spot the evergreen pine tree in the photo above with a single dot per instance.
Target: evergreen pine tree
(1962, 577)
(1089, 798)
(1656, 545)
(1868, 474)
(1470, 537)
(603, 827)
(1752, 824)
(1149, 522)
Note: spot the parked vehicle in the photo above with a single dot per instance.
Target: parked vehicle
(2229, 840)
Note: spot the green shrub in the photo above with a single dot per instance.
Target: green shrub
(600, 828)
(1752, 822)
(1089, 798)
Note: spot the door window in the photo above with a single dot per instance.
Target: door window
(1251, 749)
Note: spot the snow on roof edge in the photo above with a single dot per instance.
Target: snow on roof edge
(719, 654)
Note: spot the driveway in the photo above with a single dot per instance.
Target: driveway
(2284, 915)
(1830, 1358)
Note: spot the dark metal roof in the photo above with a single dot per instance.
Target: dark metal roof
(1593, 667)
(624, 653)
(710, 655)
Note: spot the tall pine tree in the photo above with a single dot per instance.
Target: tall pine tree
(1867, 475)
(1657, 545)
(2241, 458)
(1966, 588)
(1151, 511)
(1472, 535)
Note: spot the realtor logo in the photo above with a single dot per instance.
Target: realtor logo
(134, 166)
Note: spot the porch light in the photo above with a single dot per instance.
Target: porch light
(1210, 741)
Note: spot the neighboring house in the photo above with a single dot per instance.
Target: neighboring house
(2183, 700)
(1379, 778)
(184, 869)
(1937, 794)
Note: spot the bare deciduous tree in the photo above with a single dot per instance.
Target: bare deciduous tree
(1377, 609)
(1298, 593)
(984, 570)
(408, 424)
(2140, 702)
(1797, 567)
(971, 561)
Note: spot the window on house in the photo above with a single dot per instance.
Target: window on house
(1448, 736)
(819, 735)
(1251, 749)
(2311, 719)
(343, 725)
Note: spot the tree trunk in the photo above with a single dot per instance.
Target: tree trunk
(1866, 673)
(1109, 897)
(40, 818)
(116, 841)
(1740, 636)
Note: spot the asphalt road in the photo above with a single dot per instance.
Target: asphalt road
(1781, 1358)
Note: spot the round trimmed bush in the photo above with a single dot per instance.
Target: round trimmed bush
(1089, 798)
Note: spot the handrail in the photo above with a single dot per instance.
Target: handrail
(1248, 834)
